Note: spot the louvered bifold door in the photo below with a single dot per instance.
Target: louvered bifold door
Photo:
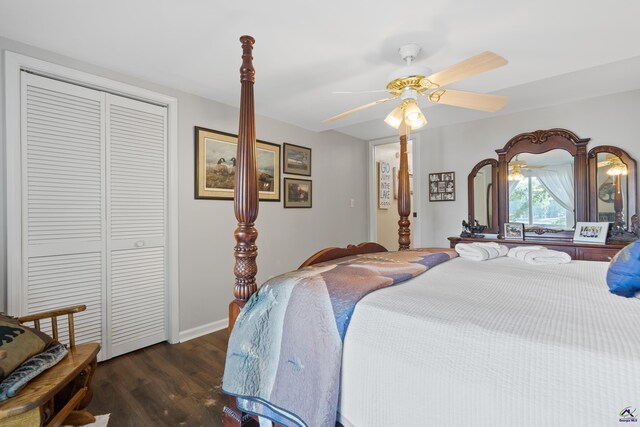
(63, 215)
(136, 212)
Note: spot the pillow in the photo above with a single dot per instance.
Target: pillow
(20, 342)
(30, 369)
(623, 276)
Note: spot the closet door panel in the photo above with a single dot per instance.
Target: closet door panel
(137, 299)
(63, 203)
(65, 280)
(136, 188)
(137, 170)
(63, 159)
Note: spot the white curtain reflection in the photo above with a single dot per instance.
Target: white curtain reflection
(558, 181)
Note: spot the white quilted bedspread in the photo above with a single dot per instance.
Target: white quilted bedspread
(494, 343)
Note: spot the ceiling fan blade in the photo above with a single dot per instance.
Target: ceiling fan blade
(358, 91)
(533, 167)
(362, 107)
(469, 67)
(604, 163)
(475, 101)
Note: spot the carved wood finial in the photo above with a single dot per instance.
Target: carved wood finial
(246, 182)
(247, 72)
(404, 197)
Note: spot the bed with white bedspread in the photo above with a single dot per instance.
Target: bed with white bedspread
(495, 343)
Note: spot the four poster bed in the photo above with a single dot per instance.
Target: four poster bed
(466, 343)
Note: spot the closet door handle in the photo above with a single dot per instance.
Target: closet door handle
(139, 243)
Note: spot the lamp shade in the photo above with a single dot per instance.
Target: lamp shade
(395, 117)
(618, 168)
(515, 174)
(413, 116)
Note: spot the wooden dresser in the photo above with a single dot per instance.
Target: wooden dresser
(578, 251)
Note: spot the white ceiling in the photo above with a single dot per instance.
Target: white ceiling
(558, 50)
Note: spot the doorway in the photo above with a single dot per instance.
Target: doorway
(383, 184)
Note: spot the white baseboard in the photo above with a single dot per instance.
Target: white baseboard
(201, 330)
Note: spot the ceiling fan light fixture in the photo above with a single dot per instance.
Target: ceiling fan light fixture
(394, 119)
(617, 169)
(413, 116)
(516, 174)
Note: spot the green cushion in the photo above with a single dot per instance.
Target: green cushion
(20, 342)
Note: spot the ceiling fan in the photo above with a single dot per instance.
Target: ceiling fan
(617, 166)
(412, 81)
(515, 169)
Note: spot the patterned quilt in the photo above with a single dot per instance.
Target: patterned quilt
(284, 354)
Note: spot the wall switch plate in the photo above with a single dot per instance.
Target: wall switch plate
(352, 203)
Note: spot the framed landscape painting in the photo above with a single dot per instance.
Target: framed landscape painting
(297, 193)
(296, 160)
(216, 166)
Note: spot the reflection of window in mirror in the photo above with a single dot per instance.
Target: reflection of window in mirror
(611, 187)
(541, 189)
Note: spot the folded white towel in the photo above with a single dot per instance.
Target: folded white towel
(481, 251)
(519, 252)
(547, 256)
(539, 255)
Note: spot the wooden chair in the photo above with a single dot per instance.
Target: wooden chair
(59, 395)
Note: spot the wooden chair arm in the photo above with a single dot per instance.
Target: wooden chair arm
(52, 313)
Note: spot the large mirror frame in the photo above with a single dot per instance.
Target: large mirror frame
(493, 227)
(539, 142)
(585, 182)
(630, 163)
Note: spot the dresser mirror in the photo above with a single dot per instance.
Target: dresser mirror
(541, 190)
(483, 195)
(612, 173)
(548, 180)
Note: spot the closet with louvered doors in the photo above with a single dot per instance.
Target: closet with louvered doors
(94, 192)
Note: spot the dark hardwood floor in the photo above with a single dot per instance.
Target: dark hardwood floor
(164, 385)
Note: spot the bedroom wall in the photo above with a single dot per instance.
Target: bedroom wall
(286, 236)
(607, 120)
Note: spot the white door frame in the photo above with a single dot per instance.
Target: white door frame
(14, 64)
(415, 206)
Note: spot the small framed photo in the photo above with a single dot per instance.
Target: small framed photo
(514, 231)
(442, 187)
(591, 232)
(297, 193)
(296, 160)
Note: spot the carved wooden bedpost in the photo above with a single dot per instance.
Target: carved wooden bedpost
(404, 194)
(245, 202)
(245, 206)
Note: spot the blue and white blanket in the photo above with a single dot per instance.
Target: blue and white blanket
(284, 354)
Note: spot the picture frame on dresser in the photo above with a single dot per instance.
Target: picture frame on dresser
(514, 231)
(591, 232)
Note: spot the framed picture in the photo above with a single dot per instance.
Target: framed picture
(591, 232)
(442, 187)
(297, 193)
(216, 166)
(384, 185)
(514, 231)
(296, 160)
